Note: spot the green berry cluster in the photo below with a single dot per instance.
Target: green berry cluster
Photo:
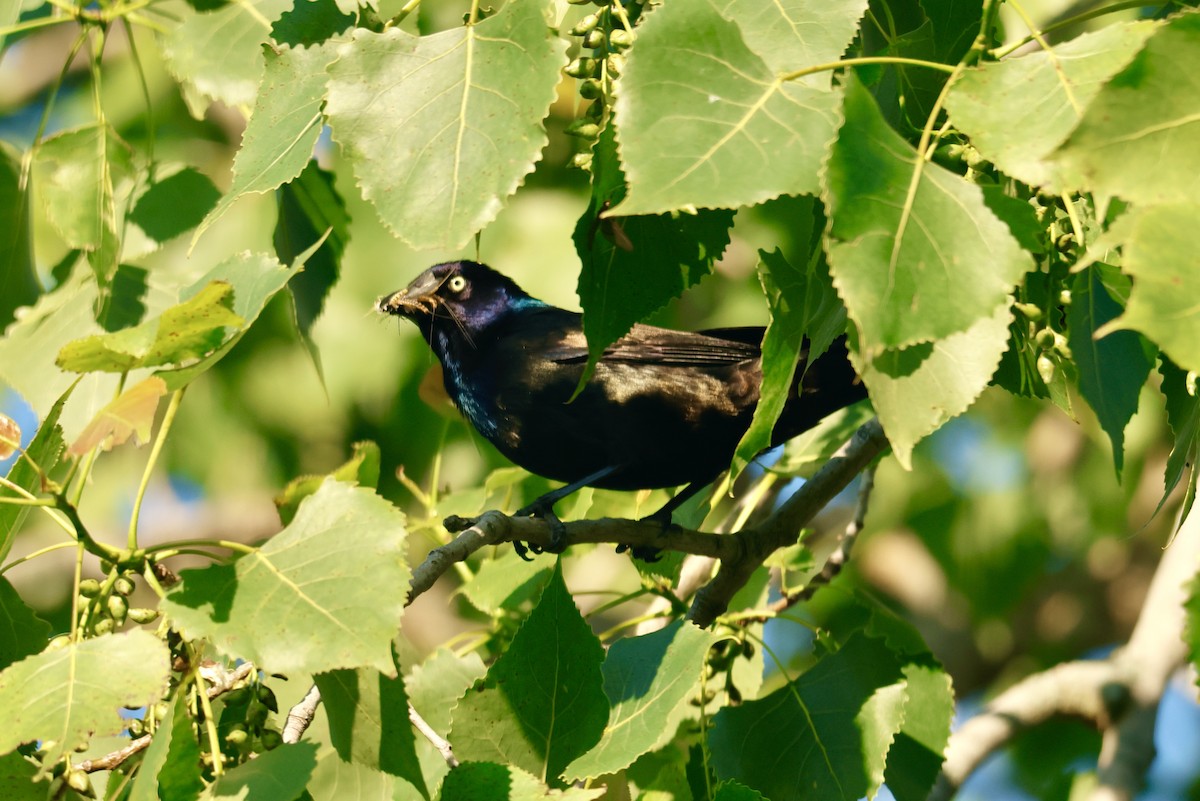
(607, 33)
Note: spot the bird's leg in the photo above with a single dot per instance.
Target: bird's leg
(543, 507)
(663, 518)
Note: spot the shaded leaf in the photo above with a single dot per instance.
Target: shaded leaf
(1183, 415)
(170, 770)
(124, 303)
(648, 681)
(910, 268)
(824, 735)
(915, 758)
(368, 721)
(1191, 629)
(1159, 250)
(188, 330)
(54, 697)
(802, 455)
(442, 129)
(915, 390)
(278, 775)
(487, 781)
(130, 414)
(626, 276)
(281, 133)
(434, 689)
(22, 632)
(1113, 367)
(325, 593)
(703, 119)
(337, 780)
(17, 777)
(541, 704)
(1017, 111)
(505, 583)
(1144, 117)
(19, 285)
(310, 22)
(174, 203)
(736, 791)
(804, 310)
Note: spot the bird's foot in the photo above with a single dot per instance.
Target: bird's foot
(558, 531)
(649, 553)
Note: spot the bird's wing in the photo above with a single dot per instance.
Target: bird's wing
(647, 344)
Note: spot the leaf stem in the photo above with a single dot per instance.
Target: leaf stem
(26, 495)
(241, 547)
(402, 14)
(75, 629)
(210, 724)
(58, 546)
(863, 60)
(82, 535)
(32, 24)
(163, 430)
(1125, 5)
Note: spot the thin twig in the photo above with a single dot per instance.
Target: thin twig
(440, 743)
(221, 684)
(300, 717)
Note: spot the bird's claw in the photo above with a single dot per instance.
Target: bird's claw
(558, 530)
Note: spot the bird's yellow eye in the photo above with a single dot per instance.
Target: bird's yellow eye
(457, 283)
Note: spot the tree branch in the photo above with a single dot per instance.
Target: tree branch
(1119, 695)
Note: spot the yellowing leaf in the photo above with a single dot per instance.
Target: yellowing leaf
(131, 413)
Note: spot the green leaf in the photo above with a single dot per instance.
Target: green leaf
(1113, 367)
(309, 207)
(915, 390)
(10, 12)
(54, 696)
(1019, 110)
(703, 119)
(336, 780)
(170, 770)
(802, 455)
(633, 265)
(362, 468)
(74, 173)
(174, 204)
(442, 129)
(804, 308)
(487, 781)
(1191, 628)
(186, 331)
(130, 414)
(255, 278)
(648, 681)
(22, 632)
(368, 721)
(17, 776)
(19, 285)
(124, 304)
(1159, 249)
(505, 583)
(736, 791)
(279, 138)
(311, 22)
(217, 55)
(44, 450)
(824, 735)
(792, 34)
(327, 592)
(915, 758)
(910, 268)
(955, 26)
(542, 703)
(1183, 415)
(434, 689)
(279, 775)
(1143, 119)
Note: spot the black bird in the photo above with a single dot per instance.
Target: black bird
(663, 408)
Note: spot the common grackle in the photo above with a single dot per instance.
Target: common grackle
(663, 408)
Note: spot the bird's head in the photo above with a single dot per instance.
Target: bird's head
(460, 299)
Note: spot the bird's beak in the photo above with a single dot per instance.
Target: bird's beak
(416, 299)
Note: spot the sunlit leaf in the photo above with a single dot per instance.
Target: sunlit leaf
(1160, 246)
(487, 781)
(648, 681)
(325, 593)
(793, 34)
(702, 119)
(54, 696)
(171, 767)
(911, 267)
(915, 390)
(442, 129)
(434, 689)
(278, 775)
(1018, 110)
(1145, 119)
(362, 468)
(130, 414)
(337, 780)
